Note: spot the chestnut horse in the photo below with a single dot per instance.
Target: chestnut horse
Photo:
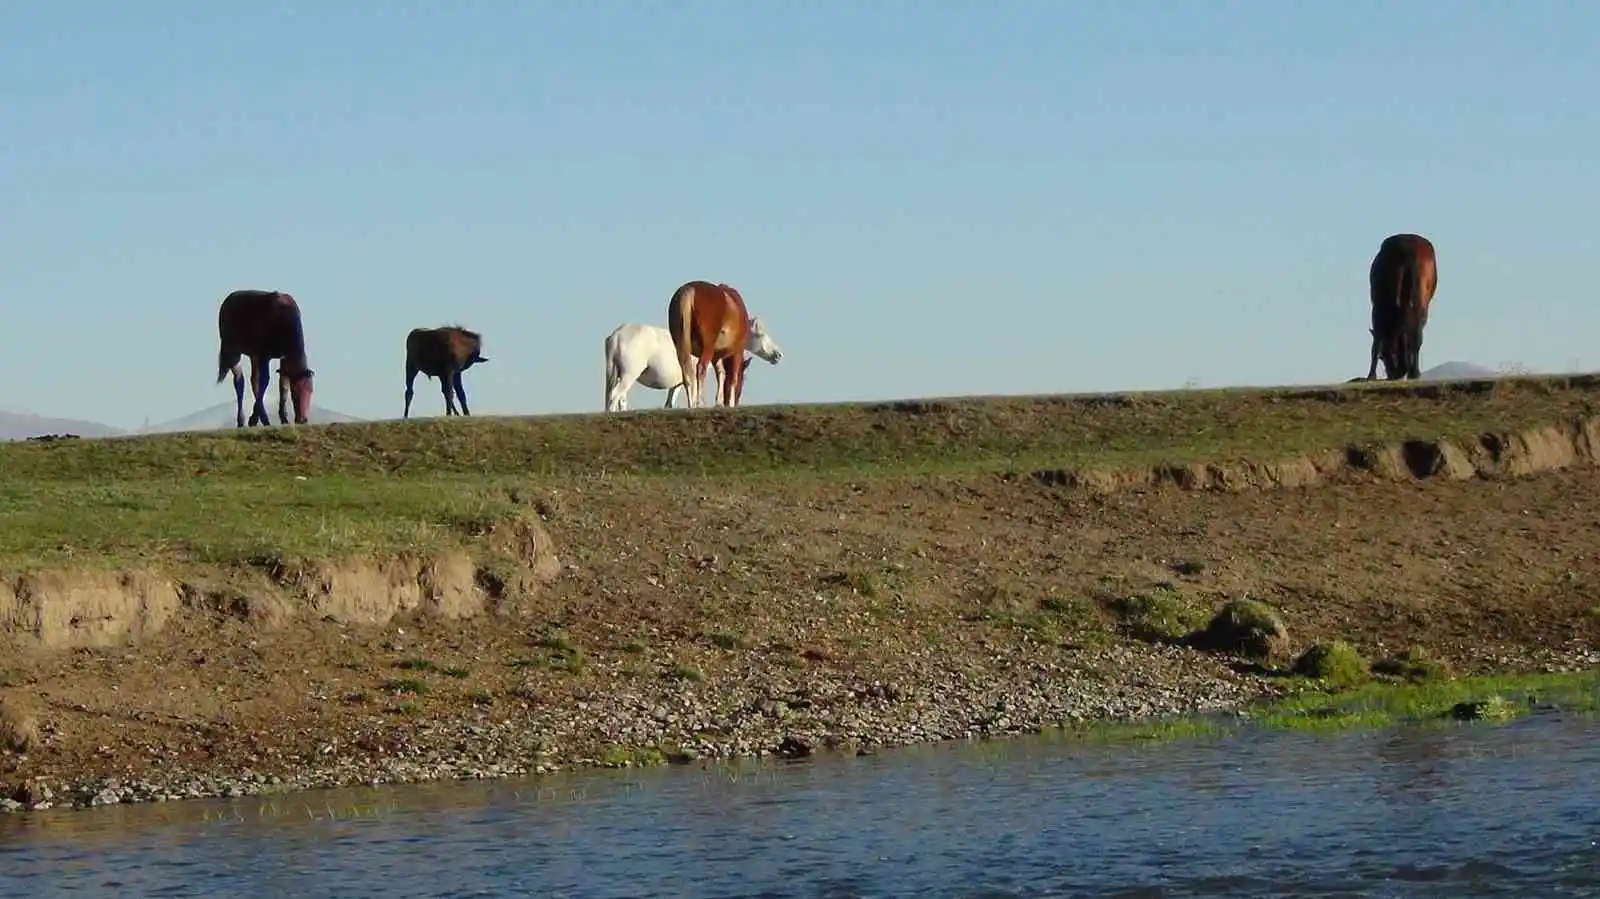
(1402, 279)
(264, 325)
(709, 323)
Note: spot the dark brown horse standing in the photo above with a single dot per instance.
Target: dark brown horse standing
(1402, 279)
(709, 323)
(442, 353)
(264, 325)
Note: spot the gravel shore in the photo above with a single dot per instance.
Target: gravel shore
(759, 711)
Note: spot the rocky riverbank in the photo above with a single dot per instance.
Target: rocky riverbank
(759, 710)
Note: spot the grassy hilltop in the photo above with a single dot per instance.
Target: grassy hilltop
(347, 489)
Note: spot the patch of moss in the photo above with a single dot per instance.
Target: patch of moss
(617, 756)
(1245, 627)
(1336, 664)
(1159, 614)
(1413, 664)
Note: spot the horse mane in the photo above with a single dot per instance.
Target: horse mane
(297, 331)
(457, 326)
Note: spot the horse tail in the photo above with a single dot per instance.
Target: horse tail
(223, 365)
(611, 367)
(680, 323)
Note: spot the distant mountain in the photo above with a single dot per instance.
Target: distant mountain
(1451, 371)
(17, 426)
(222, 416)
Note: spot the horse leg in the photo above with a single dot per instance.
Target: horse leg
(283, 397)
(737, 369)
(461, 392)
(724, 380)
(238, 395)
(702, 364)
(411, 379)
(617, 384)
(1416, 345)
(444, 388)
(703, 361)
(260, 376)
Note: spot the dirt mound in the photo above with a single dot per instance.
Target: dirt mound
(71, 609)
(19, 730)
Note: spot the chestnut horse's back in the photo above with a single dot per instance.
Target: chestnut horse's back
(707, 322)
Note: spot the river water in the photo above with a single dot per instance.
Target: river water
(1473, 811)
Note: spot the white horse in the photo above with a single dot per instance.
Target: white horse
(645, 354)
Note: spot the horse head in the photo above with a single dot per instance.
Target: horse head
(762, 344)
(300, 384)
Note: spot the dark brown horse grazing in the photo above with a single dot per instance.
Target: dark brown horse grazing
(709, 323)
(264, 325)
(1402, 280)
(442, 353)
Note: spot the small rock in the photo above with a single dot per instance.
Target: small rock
(795, 747)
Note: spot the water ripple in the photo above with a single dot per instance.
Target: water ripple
(1478, 811)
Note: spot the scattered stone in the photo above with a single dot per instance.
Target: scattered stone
(795, 747)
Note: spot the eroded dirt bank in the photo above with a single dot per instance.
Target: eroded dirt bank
(687, 619)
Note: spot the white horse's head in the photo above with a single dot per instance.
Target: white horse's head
(762, 344)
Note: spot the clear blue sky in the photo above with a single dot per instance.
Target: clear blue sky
(920, 199)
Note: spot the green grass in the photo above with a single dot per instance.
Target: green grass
(1161, 730)
(1375, 704)
(556, 653)
(306, 493)
(406, 685)
(616, 756)
(684, 672)
(729, 642)
(1383, 704)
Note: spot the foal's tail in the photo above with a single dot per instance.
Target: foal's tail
(223, 365)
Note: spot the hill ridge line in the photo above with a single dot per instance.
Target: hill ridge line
(1570, 442)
